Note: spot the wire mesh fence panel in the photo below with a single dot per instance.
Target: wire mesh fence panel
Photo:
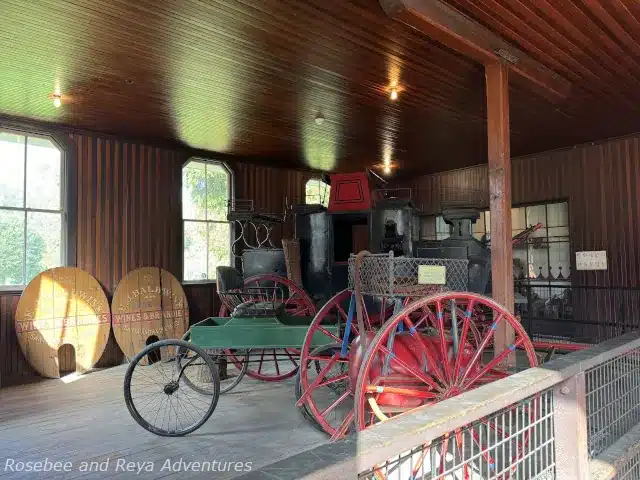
(517, 443)
(630, 470)
(384, 275)
(613, 400)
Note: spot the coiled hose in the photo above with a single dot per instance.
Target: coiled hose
(364, 339)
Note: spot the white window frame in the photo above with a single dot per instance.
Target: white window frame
(230, 197)
(64, 206)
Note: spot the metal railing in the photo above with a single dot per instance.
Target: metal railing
(575, 417)
(555, 421)
(559, 310)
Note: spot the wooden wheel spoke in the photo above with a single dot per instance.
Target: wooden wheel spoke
(410, 369)
(493, 363)
(318, 379)
(335, 403)
(275, 360)
(331, 380)
(341, 311)
(481, 347)
(344, 426)
(329, 334)
(443, 343)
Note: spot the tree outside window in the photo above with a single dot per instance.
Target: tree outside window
(32, 233)
(317, 192)
(206, 188)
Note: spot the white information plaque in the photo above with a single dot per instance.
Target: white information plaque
(432, 275)
(596, 260)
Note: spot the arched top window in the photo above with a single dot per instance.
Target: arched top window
(316, 192)
(33, 230)
(206, 190)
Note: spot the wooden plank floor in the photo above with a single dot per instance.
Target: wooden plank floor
(87, 420)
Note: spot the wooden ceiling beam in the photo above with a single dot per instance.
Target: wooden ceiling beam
(462, 34)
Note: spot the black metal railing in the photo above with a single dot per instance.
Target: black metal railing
(577, 313)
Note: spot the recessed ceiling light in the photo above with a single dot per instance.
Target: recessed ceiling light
(319, 119)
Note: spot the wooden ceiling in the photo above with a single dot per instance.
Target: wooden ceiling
(248, 77)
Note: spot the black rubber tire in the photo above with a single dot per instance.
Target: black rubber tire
(228, 388)
(127, 387)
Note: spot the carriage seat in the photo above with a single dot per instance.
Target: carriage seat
(230, 284)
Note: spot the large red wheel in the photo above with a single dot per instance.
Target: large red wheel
(324, 390)
(412, 366)
(276, 364)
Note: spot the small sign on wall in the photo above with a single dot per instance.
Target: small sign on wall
(432, 275)
(596, 260)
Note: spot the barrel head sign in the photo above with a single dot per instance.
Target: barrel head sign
(61, 306)
(596, 260)
(148, 304)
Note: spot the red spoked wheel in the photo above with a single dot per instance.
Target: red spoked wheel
(415, 365)
(324, 389)
(276, 364)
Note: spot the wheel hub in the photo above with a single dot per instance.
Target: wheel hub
(170, 388)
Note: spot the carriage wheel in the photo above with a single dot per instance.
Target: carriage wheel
(157, 395)
(323, 390)
(426, 368)
(275, 364)
(229, 373)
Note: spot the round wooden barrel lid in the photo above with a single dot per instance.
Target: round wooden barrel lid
(149, 304)
(63, 305)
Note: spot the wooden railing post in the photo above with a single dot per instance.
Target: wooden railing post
(570, 429)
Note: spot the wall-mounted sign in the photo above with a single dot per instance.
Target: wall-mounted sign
(596, 260)
(432, 275)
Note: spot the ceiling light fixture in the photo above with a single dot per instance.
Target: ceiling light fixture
(394, 94)
(319, 119)
(57, 101)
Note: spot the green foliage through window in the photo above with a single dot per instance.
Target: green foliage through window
(31, 219)
(317, 192)
(207, 233)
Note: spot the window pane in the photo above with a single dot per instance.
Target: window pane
(558, 214)
(194, 191)
(518, 223)
(44, 235)
(219, 247)
(43, 174)
(217, 192)
(195, 251)
(11, 247)
(312, 192)
(559, 258)
(12, 168)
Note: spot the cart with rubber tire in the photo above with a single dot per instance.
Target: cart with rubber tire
(172, 386)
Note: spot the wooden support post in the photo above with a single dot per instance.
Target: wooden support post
(570, 429)
(497, 85)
